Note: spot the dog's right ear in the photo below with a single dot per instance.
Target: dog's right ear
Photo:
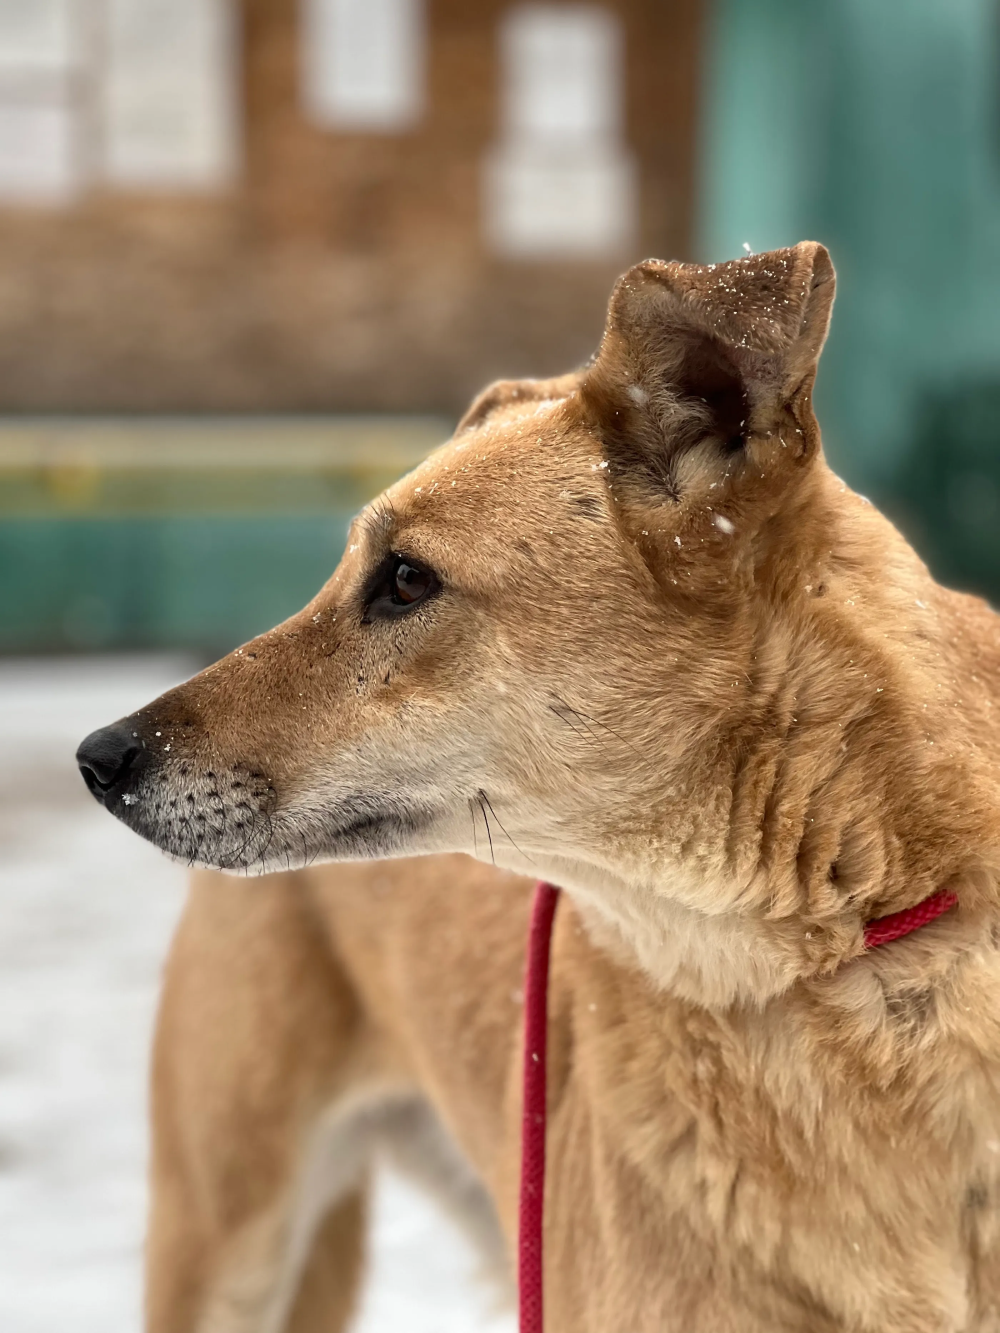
(503, 394)
(708, 355)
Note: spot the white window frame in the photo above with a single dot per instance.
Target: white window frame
(170, 112)
(43, 82)
(164, 119)
(561, 182)
(363, 64)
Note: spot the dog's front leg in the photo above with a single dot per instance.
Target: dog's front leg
(248, 1232)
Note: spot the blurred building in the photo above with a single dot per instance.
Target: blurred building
(327, 204)
(256, 255)
(874, 125)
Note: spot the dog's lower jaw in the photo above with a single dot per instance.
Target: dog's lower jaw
(199, 821)
(290, 843)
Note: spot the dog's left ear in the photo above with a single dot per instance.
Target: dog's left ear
(709, 355)
(514, 393)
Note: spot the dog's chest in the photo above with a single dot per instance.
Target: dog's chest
(719, 1165)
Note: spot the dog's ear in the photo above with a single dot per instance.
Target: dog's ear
(513, 393)
(709, 355)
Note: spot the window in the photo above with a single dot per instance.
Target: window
(41, 133)
(168, 93)
(137, 93)
(362, 63)
(560, 182)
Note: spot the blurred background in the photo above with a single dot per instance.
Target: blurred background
(255, 256)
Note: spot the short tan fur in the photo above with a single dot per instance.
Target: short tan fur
(625, 631)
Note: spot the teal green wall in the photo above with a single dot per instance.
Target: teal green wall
(203, 581)
(874, 126)
(201, 533)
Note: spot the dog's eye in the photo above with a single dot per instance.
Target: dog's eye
(400, 585)
(409, 584)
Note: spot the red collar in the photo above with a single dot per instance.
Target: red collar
(883, 930)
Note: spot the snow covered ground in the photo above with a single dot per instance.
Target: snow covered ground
(86, 912)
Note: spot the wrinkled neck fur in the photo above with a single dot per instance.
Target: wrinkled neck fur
(919, 1013)
(822, 812)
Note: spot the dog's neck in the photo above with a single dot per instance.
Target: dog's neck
(710, 960)
(899, 1023)
(736, 957)
(822, 799)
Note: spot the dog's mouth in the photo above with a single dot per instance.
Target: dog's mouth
(239, 824)
(361, 827)
(227, 820)
(229, 816)
(266, 838)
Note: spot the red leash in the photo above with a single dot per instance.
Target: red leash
(536, 985)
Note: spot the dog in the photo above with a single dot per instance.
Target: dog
(626, 632)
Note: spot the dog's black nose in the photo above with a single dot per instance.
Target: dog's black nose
(106, 756)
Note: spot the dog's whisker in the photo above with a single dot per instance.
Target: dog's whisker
(588, 718)
(475, 839)
(493, 812)
(584, 733)
(486, 820)
(239, 857)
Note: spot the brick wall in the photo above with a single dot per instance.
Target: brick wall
(340, 271)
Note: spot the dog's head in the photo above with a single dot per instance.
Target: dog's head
(618, 632)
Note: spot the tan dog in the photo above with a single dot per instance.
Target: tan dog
(625, 631)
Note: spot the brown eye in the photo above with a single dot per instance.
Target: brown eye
(398, 586)
(409, 583)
